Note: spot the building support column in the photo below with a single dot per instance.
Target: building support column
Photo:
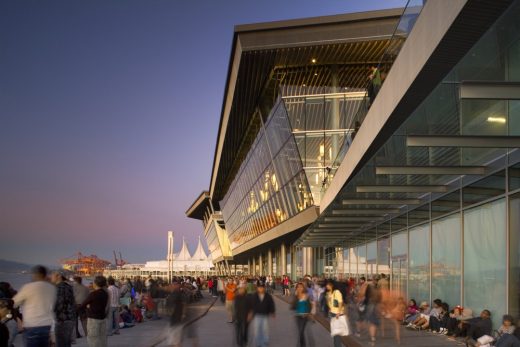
(254, 266)
(269, 271)
(249, 267)
(260, 265)
(283, 260)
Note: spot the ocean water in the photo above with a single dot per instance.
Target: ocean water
(17, 280)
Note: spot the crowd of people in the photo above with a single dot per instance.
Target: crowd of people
(52, 310)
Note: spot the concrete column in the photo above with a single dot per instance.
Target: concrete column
(254, 266)
(283, 260)
(260, 265)
(249, 267)
(334, 117)
(308, 261)
(269, 263)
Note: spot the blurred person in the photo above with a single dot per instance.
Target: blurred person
(97, 306)
(302, 306)
(80, 294)
(175, 305)
(242, 308)
(8, 323)
(335, 305)
(37, 302)
(113, 314)
(262, 307)
(64, 310)
(370, 298)
(230, 289)
(6, 291)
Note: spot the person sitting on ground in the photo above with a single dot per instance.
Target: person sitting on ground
(424, 308)
(475, 328)
(507, 339)
(126, 317)
(423, 322)
(440, 324)
(136, 312)
(411, 310)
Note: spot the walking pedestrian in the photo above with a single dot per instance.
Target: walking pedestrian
(262, 308)
(37, 302)
(64, 311)
(335, 306)
(242, 308)
(302, 306)
(96, 304)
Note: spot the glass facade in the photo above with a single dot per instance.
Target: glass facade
(419, 268)
(270, 186)
(446, 258)
(484, 258)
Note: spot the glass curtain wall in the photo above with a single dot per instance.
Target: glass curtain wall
(270, 186)
(372, 259)
(446, 259)
(514, 258)
(485, 258)
(419, 267)
(399, 262)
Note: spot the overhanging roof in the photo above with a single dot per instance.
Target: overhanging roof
(199, 206)
(350, 41)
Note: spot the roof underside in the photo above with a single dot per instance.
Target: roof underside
(273, 60)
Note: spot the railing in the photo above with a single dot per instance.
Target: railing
(375, 81)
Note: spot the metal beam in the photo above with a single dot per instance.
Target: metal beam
(353, 219)
(463, 141)
(431, 170)
(402, 189)
(329, 226)
(365, 211)
(381, 202)
(496, 90)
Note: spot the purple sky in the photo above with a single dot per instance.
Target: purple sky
(108, 118)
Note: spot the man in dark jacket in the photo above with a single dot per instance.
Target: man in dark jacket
(242, 308)
(262, 308)
(478, 327)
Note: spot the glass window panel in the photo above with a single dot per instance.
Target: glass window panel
(446, 204)
(514, 177)
(362, 260)
(383, 256)
(399, 263)
(419, 263)
(446, 259)
(485, 259)
(420, 215)
(485, 189)
(372, 258)
(399, 223)
(514, 251)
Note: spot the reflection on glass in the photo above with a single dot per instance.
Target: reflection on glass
(399, 264)
(514, 259)
(419, 262)
(484, 259)
(446, 259)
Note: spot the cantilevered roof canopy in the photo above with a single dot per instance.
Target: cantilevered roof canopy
(296, 53)
(199, 206)
(409, 154)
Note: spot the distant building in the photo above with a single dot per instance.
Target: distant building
(175, 264)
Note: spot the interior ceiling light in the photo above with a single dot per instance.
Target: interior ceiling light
(313, 60)
(501, 120)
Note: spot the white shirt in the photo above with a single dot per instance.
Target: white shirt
(37, 302)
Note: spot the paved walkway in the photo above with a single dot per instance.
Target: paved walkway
(213, 330)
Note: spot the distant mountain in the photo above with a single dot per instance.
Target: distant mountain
(13, 266)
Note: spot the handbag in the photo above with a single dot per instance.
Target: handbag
(339, 326)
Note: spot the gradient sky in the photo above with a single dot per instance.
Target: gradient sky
(109, 113)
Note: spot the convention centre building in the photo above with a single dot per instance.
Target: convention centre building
(377, 142)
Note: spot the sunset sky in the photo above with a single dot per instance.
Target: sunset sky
(109, 112)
